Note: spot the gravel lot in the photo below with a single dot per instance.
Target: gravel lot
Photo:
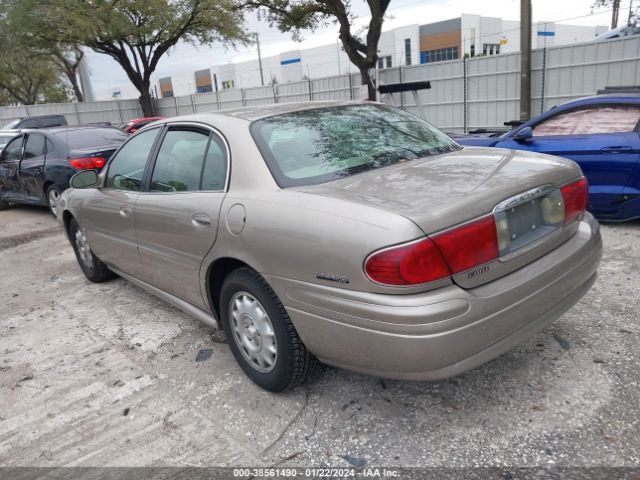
(106, 375)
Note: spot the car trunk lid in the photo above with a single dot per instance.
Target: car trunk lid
(447, 190)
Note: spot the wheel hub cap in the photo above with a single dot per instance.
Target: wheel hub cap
(54, 196)
(83, 248)
(253, 331)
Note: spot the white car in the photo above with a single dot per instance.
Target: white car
(619, 32)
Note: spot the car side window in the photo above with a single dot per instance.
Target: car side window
(590, 120)
(13, 150)
(126, 169)
(178, 167)
(35, 146)
(214, 173)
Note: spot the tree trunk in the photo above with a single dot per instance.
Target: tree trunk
(146, 102)
(368, 81)
(77, 92)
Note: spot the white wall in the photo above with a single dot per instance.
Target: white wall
(392, 44)
(492, 30)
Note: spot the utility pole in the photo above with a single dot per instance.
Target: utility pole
(259, 59)
(525, 59)
(630, 12)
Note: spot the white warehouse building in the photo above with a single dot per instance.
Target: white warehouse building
(470, 35)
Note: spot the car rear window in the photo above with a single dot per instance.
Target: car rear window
(319, 145)
(11, 124)
(84, 138)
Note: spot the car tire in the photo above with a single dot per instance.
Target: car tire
(260, 333)
(91, 266)
(4, 205)
(53, 195)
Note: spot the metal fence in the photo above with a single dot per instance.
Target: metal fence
(479, 92)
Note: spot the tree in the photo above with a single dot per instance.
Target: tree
(297, 15)
(26, 77)
(138, 33)
(634, 11)
(36, 34)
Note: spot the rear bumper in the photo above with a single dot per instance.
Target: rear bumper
(442, 332)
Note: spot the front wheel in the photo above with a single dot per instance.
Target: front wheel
(91, 266)
(261, 336)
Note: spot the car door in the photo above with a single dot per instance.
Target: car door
(603, 139)
(10, 186)
(32, 166)
(107, 215)
(177, 217)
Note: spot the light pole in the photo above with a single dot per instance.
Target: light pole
(259, 58)
(525, 59)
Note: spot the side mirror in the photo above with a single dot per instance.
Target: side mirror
(85, 179)
(523, 135)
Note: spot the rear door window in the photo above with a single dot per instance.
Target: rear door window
(35, 146)
(214, 173)
(590, 120)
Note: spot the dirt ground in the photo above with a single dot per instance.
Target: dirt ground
(107, 375)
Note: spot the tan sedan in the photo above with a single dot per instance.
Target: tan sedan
(352, 232)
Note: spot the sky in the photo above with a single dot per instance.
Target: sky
(107, 75)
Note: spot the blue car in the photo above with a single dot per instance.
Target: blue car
(601, 134)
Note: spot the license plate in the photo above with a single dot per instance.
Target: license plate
(527, 218)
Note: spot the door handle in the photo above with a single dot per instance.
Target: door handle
(38, 170)
(125, 211)
(201, 220)
(617, 149)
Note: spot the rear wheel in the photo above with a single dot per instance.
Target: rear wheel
(91, 266)
(53, 195)
(4, 205)
(261, 336)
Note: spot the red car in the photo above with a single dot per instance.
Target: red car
(137, 123)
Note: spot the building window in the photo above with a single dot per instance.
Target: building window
(407, 51)
(227, 84)
(384, 62)
(167, 94)
(204, 88)
(439, 55)
(473, 50)
(490, 48)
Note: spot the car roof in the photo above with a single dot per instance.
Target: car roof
(262, 111)
(604, 98)
(68, 128)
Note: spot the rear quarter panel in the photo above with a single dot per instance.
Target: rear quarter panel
(293, 234)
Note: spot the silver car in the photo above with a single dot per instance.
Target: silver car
(351, 232)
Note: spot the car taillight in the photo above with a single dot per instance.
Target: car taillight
(575, 197)
(87, 163)
(438, 257)
(409, 264)
(469, 245)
